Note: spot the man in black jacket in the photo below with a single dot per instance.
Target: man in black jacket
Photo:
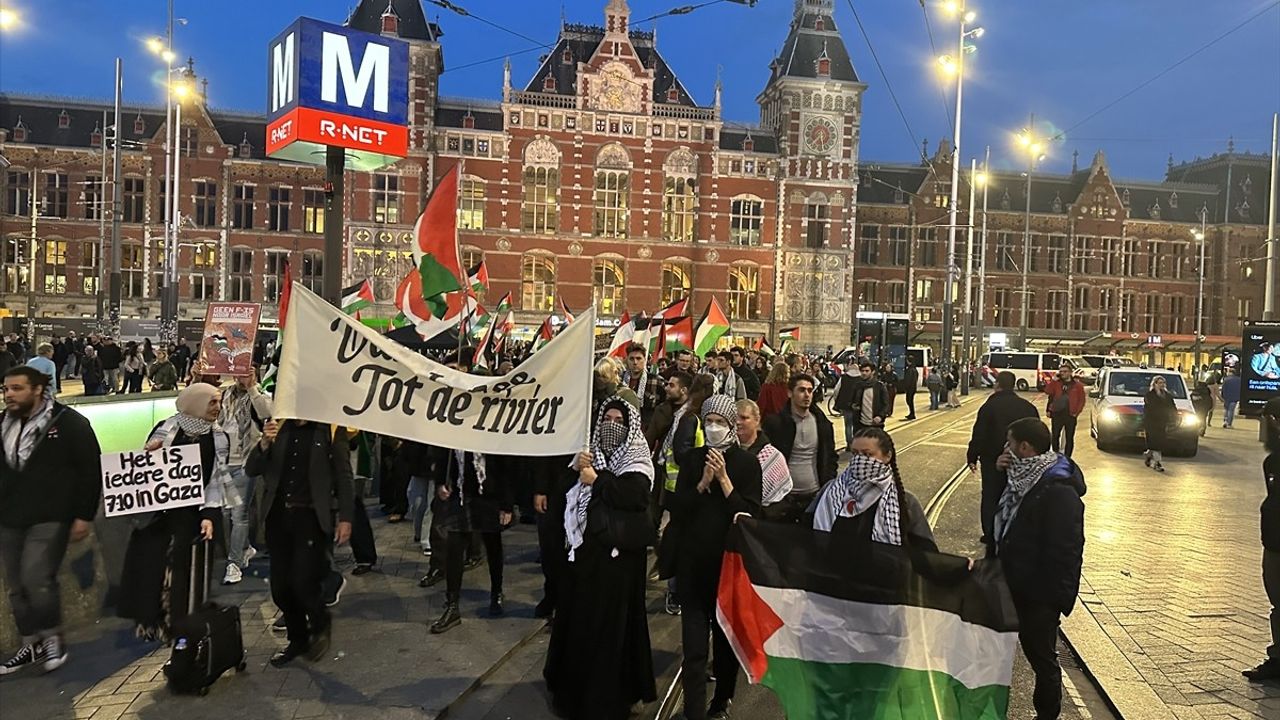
(807, 439)
(307, 471)
(987, 442)
(111, 356)
(862, 400)
(743, 370)
(1269, 669)
(908, 385)
(1039, 540)
(553, 477)
(49, 490)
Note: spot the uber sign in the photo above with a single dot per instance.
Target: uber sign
(330, 85)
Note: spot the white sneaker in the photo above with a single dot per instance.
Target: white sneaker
(233, 575)
(250, 553)
(51, 654)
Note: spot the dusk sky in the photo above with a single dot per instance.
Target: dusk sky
(1060, 60)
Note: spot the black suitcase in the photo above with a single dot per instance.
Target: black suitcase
(208, 642)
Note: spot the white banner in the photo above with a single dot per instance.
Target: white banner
(141, 481)
(336, 370)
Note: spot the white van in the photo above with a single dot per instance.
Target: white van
(1030, 369)
(921, 357)
(1118, 401)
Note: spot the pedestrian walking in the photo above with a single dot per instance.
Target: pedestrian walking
(1039, 540)
(986, 444)
(306, 472)
(1202, 403)
(92, 375)
(156, 580)
(951, 381)
(164, 376)
(245, 410)
(908, 385)
(1269, 669)
(1158, 415)
(717, 482)
(416, 460)
(806, 438)
(1230, 396)
(937, 387)
(861, 399)
(1066, 402)
(775, 476)
(60, 354)
(775, 393)
(111, 356)
(49, 490)
(599, 661)
(742, 368)
(889, 379)
(476, 499)
(133, 367)
(43, 362)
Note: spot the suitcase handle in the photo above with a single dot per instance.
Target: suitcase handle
(196, 545)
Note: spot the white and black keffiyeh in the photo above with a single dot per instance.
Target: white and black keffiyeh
(221, 491)
(1024, 473)
(862, 484)
(725, 407)
(477, 461)
(619, 453)
(20, 436)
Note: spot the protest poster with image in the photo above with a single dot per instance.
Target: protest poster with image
(147, 481)
(226, 348)
(335, 370)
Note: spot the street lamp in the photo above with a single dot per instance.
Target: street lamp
(1200, 235)
(955, 66)
(1034, 147)
(163, 48)
(984, 179)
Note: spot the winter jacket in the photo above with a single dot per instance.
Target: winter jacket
(781, 429)
(992, 425)
(1271, 504)
(62, 480)
(773, 399)
(328, 472)
(1042, 551)
(749, 380)
(1231, 389)
(910, 381)
(848, 395)
(1075, 396)
(1159, 414)
(164, 376)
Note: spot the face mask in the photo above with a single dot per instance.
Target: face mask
(717, 435)
(612, 435)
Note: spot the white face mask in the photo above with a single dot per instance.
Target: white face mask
(717, 435)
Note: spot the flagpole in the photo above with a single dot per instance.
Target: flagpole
(464, 280)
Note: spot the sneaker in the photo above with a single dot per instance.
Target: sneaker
(250, 552)
(279, 625)
(233, 575)
(25, 656)
(337, 593)
(432, 577)
(1159, 467)
(51, 654)
(1269, 670)
(671, 606)
(426, 552)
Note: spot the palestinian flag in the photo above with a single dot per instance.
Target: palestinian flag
(435, 246)
(545, 333)
(662, 318)
(478, 277)
(713, 326)
(788, 337)
(764, 348)
(357, 297)
(622, 336)
(502, 330)
(847, 630)
(677, 334)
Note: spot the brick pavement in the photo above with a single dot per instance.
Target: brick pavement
(383, 662)
(1173, 572)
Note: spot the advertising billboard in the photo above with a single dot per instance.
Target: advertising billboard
(1259, 365)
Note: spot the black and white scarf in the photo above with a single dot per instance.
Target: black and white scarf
(477, 462)
(221, 491)
(619, 450)
(862, 484)
(1024, 473)
(20, 436)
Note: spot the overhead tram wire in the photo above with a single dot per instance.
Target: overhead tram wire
(1224, 35)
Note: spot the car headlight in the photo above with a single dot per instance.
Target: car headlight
(1190, 420)
(1109, 416)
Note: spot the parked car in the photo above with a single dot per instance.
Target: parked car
(1116, 419)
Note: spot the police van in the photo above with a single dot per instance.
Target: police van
(1030, 369)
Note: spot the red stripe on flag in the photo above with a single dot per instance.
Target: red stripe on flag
(746, 619)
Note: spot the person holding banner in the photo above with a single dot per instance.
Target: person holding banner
(306, 469)
(49, 491)
(599, 661)
(155, 583)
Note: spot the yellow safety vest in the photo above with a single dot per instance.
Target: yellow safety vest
(673, 468)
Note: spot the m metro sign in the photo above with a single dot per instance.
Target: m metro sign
(328, 85)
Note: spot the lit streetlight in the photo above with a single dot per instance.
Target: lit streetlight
(1201, 236)
(9, 18)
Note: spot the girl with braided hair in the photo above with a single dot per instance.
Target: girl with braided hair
(869, 499)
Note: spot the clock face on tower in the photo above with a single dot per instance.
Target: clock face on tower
(819, 136)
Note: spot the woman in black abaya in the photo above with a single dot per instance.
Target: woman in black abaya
(599, 663)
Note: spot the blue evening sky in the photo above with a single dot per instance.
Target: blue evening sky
(1059, 59)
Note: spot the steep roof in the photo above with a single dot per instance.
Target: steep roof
(814, 35)
(413, 23)
(581, 41)
(762, 141)
(485, 114)
(39, 115)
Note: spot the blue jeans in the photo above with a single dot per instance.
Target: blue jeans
(1229, 412)
(935, 398)
(850, 422)
(420, 508)
(238, 540)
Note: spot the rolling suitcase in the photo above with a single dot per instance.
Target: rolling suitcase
(208, 642)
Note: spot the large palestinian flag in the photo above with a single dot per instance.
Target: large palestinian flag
(847, 631)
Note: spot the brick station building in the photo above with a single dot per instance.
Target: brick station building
(601, 179)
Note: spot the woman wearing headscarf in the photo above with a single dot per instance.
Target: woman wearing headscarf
(599, 662)
(155, 582)
(716, 483)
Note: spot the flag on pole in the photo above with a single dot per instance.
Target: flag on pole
(713, 326)
(478, 277)
(435, 247)
(788, 337)
(662, 318)
(286, 289)
(564, 310)
(843, 638)
(678, 334)
(504, 329)
(357, 297)
(622, 336)
(544, 336)
(675, 309)
(764, 348)
(642, 335)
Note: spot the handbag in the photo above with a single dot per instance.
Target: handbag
(618, 528)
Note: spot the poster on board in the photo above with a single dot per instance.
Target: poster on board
(226, 348)
(141, 481)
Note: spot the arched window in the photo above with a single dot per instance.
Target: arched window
(744, 292)
(679, 196)
(612, 191)
(675, 281)
(746, 220)
(537, 282)
(541, 188)
(607, 281)
(471, 204)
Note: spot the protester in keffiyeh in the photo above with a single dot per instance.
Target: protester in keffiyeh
(155, 585)
(1023, 475)
(868, 498)
(599, 662)
(776, 476)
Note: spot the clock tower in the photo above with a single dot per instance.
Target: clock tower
(813, 106)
